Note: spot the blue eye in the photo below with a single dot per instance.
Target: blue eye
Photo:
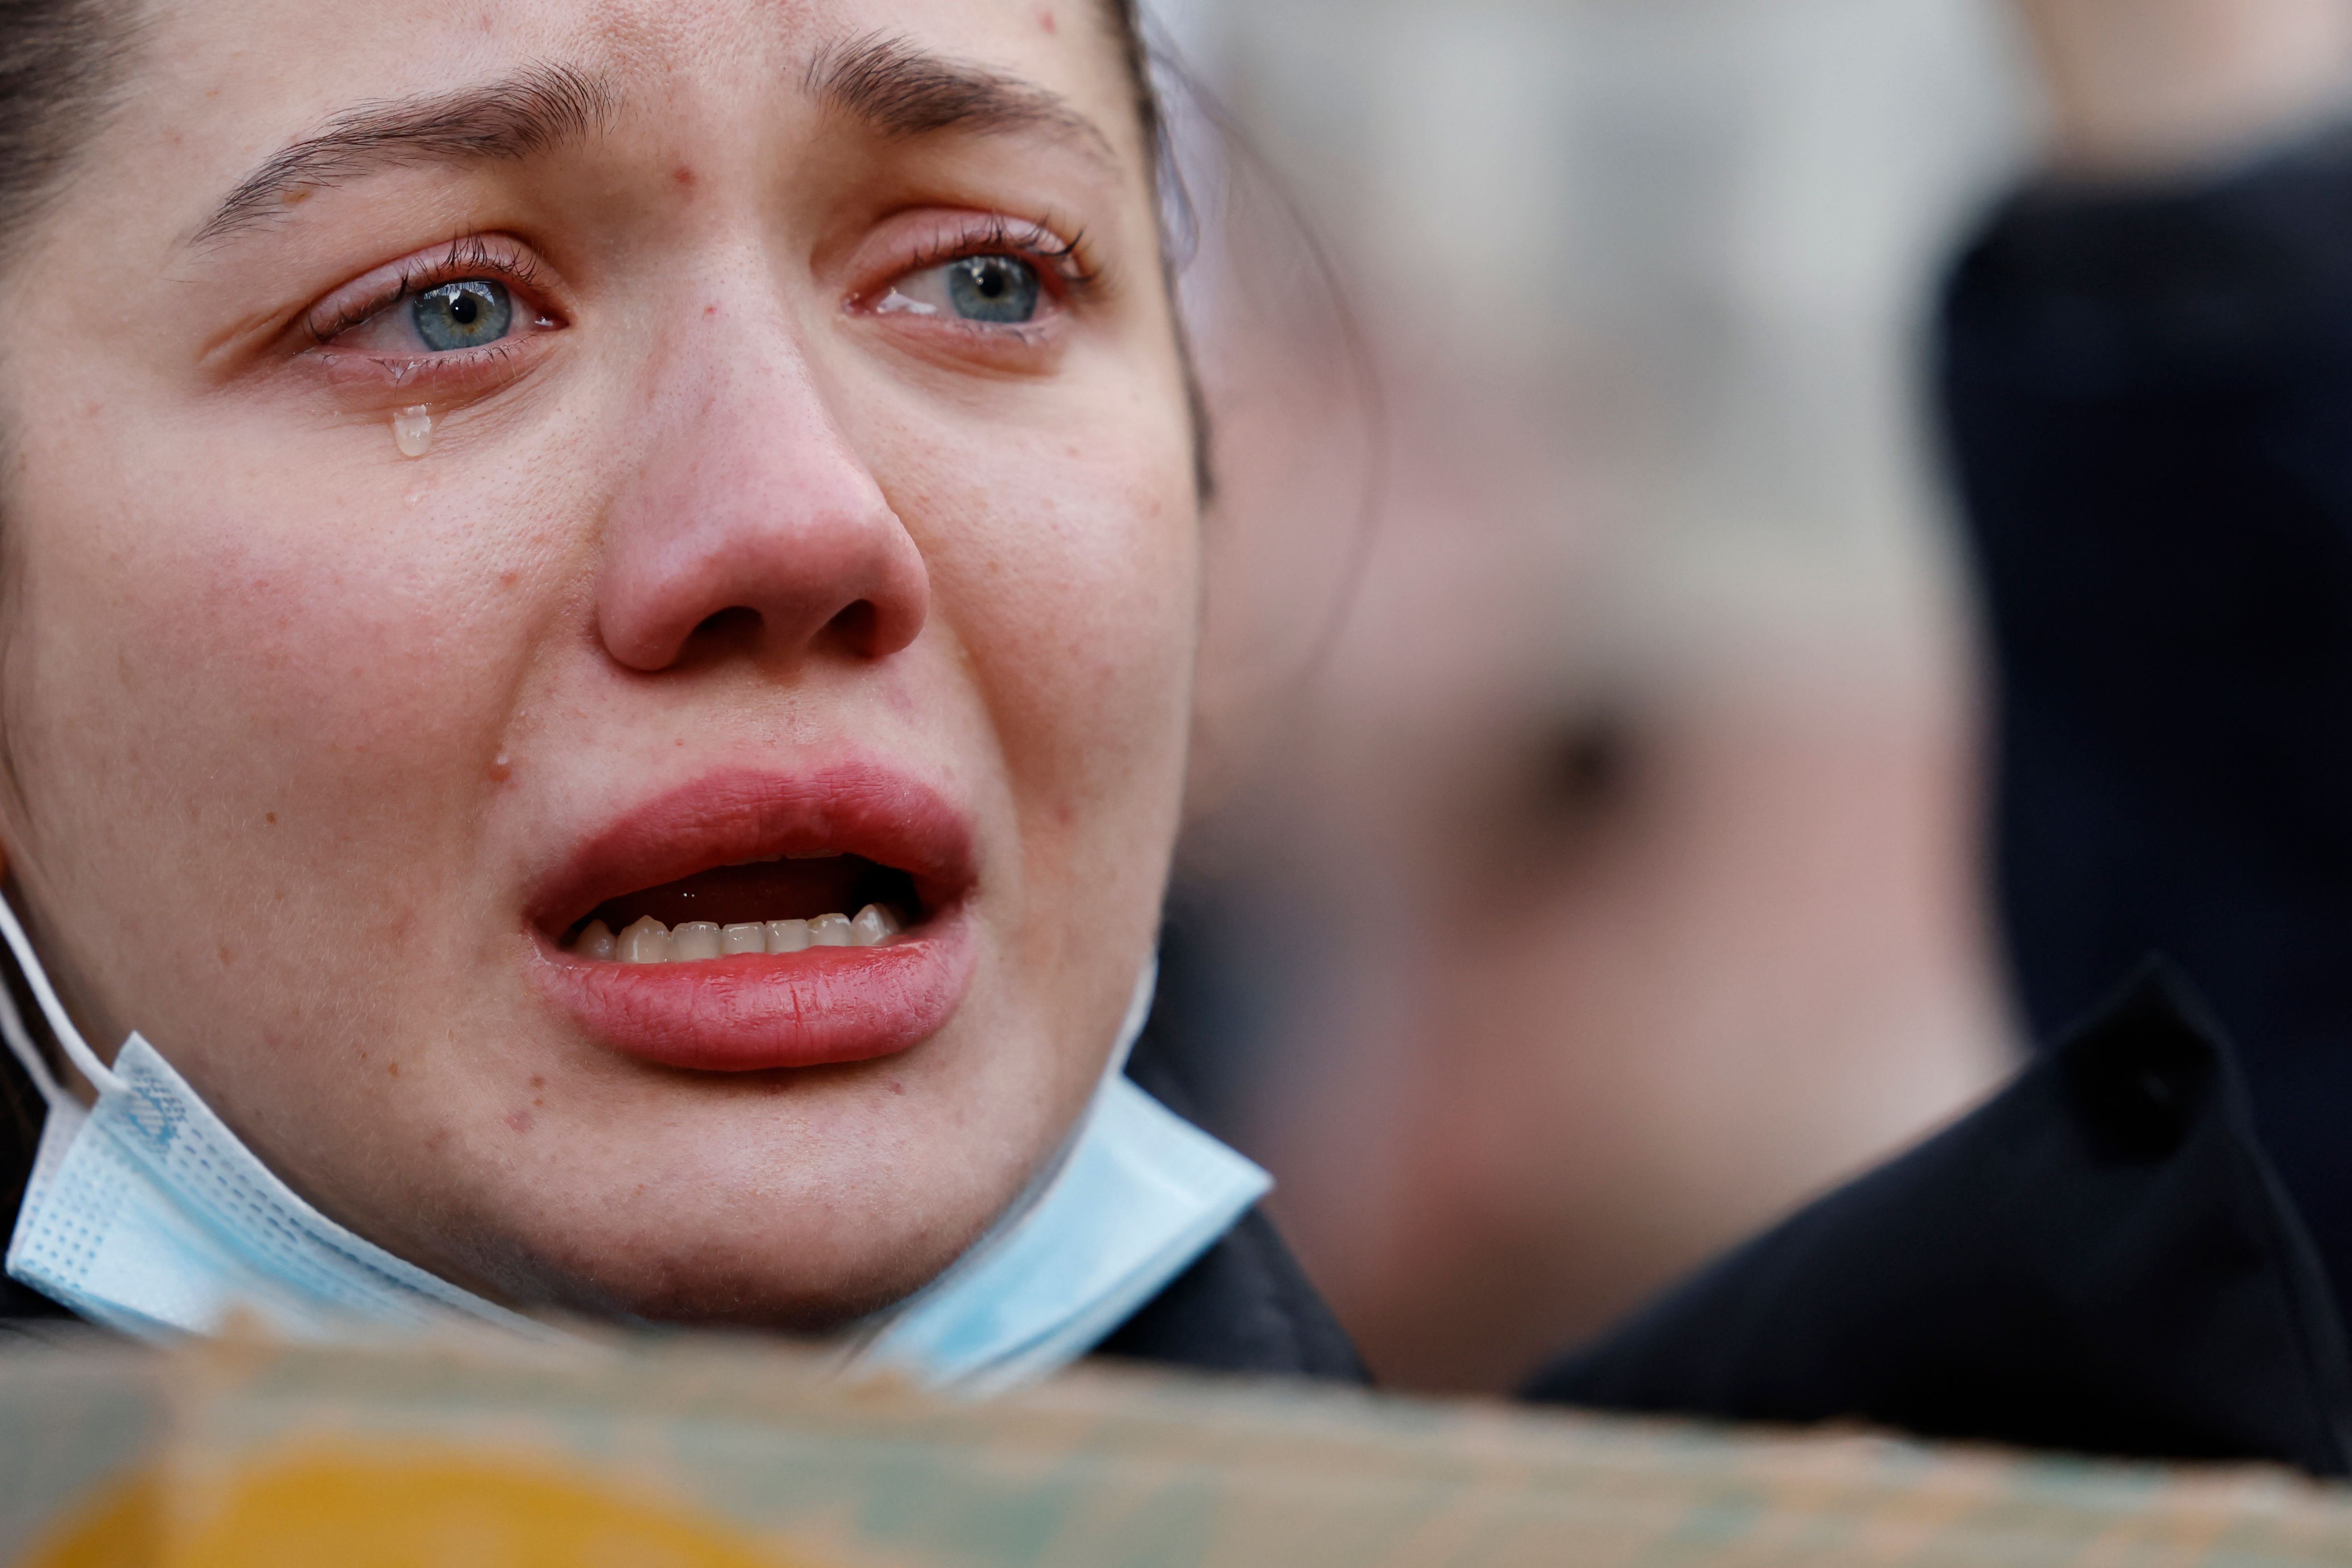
(993, 288)
(463, 315)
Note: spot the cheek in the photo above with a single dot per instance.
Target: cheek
(338, 605)
(259, 646)
(1066, 570)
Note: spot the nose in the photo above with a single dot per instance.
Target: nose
(749, 513)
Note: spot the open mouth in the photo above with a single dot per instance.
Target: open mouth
(779, 905)
(748, 921)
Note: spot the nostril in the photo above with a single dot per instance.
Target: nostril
(735, 626)
(854, 626)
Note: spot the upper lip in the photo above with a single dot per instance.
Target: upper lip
(726, 817)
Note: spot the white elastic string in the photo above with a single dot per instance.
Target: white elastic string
(1138, 1013)
(28, 1054)
(85, 1060)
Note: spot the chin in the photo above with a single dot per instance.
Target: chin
(775, 1236)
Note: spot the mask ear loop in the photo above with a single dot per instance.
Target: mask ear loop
(20, 1042)
(27, 1055)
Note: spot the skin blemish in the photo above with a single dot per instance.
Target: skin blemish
(537, 1082)
(683, 176)
(710, 309)
(295, 198)
(897, 1088)
(501, 768)
(392, 1069)
(520, 1119)
(226, 958)
(270, 818)
(1046, 20)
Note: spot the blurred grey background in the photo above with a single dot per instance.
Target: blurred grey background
(1584, 864)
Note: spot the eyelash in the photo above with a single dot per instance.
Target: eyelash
(471, 256)
(1058, 259)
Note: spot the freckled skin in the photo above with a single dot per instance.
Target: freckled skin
(300, 722)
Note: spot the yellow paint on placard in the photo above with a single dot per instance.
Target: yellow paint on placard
(408, 1507)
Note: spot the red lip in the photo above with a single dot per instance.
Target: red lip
(750, 1013)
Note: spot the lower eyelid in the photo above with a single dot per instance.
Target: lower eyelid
(1045, 320)
(459, 373)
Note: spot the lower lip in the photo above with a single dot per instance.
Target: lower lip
(754, 1012)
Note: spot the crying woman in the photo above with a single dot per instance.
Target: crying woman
(599, 626)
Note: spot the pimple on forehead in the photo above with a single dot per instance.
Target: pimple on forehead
(683, 176)
(1046, 20)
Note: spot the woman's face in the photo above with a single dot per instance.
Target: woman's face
(801, 518)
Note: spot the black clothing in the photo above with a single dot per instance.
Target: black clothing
(1244, 1305)
(2149, 400)
(2099, 1259)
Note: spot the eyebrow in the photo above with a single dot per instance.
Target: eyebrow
(900, 92)
(533, 111)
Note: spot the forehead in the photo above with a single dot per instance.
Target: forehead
(221, 86)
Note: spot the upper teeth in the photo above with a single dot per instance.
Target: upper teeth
(647, 940)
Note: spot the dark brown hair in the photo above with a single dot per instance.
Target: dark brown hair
(60, 61)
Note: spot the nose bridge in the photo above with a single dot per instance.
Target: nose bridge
(735, 413)
(743, 491)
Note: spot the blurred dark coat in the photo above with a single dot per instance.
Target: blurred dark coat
(2149, 403)
(2145, 1243)
(2101, 1258)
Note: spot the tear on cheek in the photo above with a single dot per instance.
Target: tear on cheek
(412, 430)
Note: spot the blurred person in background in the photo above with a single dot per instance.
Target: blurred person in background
(1611, 886)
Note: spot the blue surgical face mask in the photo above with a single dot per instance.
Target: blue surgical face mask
(145, 1213)
(1136, 1196)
